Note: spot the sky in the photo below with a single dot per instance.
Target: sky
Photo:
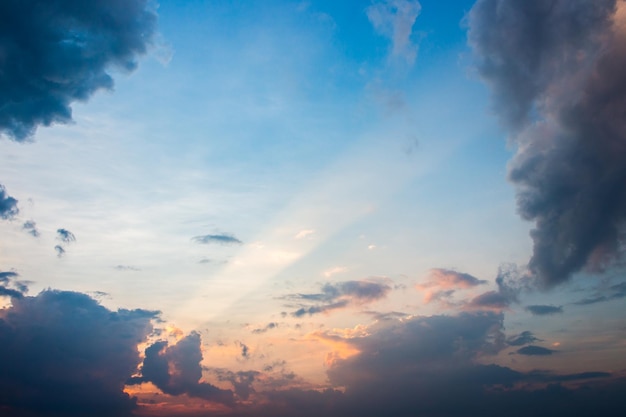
(278, 208)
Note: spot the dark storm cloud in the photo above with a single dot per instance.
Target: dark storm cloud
(54, 53)
(31, 228)
(524, 338)
(222, 239)
(533, 350)
(614, 292)
(340, 295)
(8, 205)
(176, 370)
(557, 73)
(542, 310)
(64, 354)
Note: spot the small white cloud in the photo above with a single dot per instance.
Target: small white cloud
(336, 270)
(371, 247)
(302, 234)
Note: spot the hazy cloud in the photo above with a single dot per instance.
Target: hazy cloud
(614, 292)
(556, 69)
(340, 295)
(542, 310)
(68, 355)
(533, 350)
(56, 53)
(8, 205)
(394, 19)
(443, 283)
(31, 228)
(222, 239)
(524, 338)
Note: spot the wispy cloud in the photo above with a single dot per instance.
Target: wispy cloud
(221, 239)
(544, 310)
(394, 19)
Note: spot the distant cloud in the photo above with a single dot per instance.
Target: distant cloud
(543, 310)
(443, 283)
(340, 295)
(59, 250)
(68, 353)
(334, 270)
(31, 228)
(57, 53)
(524, 338)
(127, 268)
(394, 19)
(8, 205)
(535, 351)
(511, 281)
(176, 370)
(302, 234)
(221, 239)
(269, 326)
(7, 280)
(614, 292)
(65, 236)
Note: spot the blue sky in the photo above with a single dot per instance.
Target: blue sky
(282, 186)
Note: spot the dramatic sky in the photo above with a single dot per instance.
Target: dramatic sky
(339, 208)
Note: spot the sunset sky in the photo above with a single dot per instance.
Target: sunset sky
(340, 208)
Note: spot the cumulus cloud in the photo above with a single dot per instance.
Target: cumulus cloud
(176, 370)
(56, 53)
(68, 355)
(65, 236)
(556, 70)
(395, 19)
(340, 295)
(511, 281)
(8, 205)
(221, 239)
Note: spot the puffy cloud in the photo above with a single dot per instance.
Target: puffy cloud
(8, 205)
(68, 355)
(56, 53)
(31, 228)
(65, 236)
(556, 70)
(176, 370)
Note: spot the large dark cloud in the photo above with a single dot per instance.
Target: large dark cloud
(338, 295)
(176, 370)
(63, 354)
(8, 205)
(53, 53)
(557, 70)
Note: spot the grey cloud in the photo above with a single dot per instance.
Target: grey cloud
(222, 239)
(269, 326)
(533, 350)
(544, 310)
(31, 228)
(511, 281)
(68, 355)
(59, 250)
(614, 292)
(65, 236)
(127, 268)
(339, 295)
(8, 205)
(556, 70)
(55, 53)
(242, 381)
(176, 370)
(524, 338)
